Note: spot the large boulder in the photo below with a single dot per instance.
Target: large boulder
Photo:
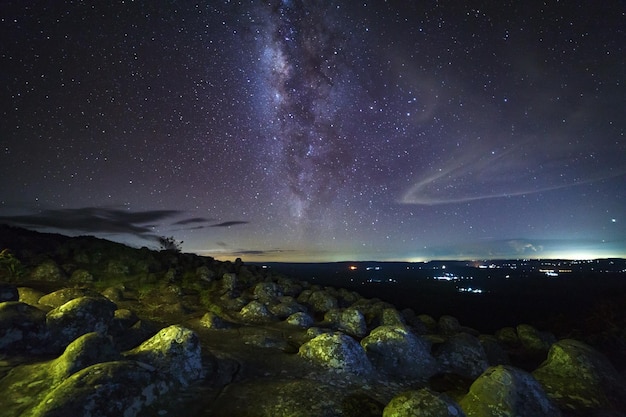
(47, 271)
(78, 317)
(87, 350)
(580, 378)
(256, 312)
(336, 351)
(110, 389)
(175, 351)
(507, 391)
(534, 341)
(398, 352)
(300, 319)
(285, 306)
(266, 292)
(321, 301)
(22, 327)
(422, 403)
(58, 298)
(462, 354)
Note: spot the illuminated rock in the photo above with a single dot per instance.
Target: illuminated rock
(507, 391)
(58, 298)
(300, 319)
(398, 352)
(534, 341)
(256, 312)
(175, 351)
(77, 317)
(110, 389)
(336, 351)
(577, 377)
(422, 403)
(87, 350)
(320, 301)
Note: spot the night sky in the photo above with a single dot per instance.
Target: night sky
(319, 130)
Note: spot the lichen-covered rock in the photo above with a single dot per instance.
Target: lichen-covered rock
(47, 271)
(577, 377)
(336, 351)
(8, 292)
(285, 307)
(503, 391)
(22, 327)
(58, 298)
(534, 341)
(321, 301)
(300, 319)
(462, 354)
(175, 351)
(110, 389)
(77, 317)
(392, 317)
(352, 322)
(398, 352)
(87, 350)
(229, 284)
(422, 403)
(30, 296)
(81, 276)
(256, 312)
(266, 292)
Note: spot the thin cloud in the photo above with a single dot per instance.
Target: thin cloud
(228, 224)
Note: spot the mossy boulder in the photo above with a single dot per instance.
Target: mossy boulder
(48, 271)
(534, 341)
(110, 389)
(77, 317)
(336, 351)
(58, 298)
(398, 352)
(256, 312)
(580, 378)
(507, 391)
(175, 351)
(87, 350)
(422, 403)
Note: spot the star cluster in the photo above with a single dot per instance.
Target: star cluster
(308, 131)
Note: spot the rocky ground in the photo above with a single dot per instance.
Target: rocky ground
(93, 328)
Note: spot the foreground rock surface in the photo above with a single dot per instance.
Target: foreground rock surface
(93, 328)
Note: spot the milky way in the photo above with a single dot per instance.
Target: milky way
(297, 130)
